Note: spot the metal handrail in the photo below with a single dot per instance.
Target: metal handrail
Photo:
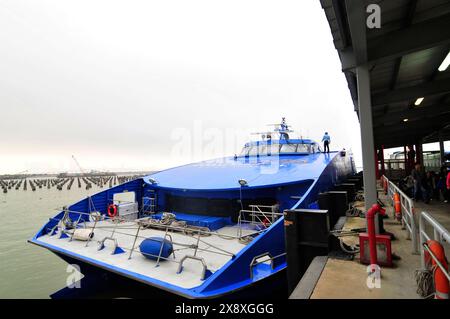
(271, 258)
(204, 266)
(407, 210)
(256, 213)
(438, 263)
(115, 229)
(440, 234)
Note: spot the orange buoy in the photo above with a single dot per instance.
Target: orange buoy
(397, 207)
(112, 210)
(441, 283)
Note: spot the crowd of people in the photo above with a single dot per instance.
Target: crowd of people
(430, 185)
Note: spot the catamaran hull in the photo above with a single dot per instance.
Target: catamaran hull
(235, 279)
(104, 283)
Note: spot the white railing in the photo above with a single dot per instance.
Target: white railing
(440, 234)
(407, 211)
(260, 215)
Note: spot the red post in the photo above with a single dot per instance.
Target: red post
(376, 208)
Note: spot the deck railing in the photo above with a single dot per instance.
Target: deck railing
(440, 234)
(262, 215)
(117, 228)
(407, 212)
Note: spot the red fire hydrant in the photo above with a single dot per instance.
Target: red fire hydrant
(376, 208)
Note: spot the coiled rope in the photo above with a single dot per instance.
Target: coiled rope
(425, 282)
(354, 212)
(359, 197)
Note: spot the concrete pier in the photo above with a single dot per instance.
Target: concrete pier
(342, 279)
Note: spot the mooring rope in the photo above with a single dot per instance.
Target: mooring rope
(425, 282)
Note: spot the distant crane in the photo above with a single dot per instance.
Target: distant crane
(82, 171)
(78, 164)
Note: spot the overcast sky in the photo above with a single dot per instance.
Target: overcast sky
(119, 83)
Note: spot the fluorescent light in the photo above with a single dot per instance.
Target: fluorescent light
(405, 120)
(444, 65)
(418, 101)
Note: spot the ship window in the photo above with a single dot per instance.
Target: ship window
(262, 149)
(303, 148)
(274, 148)
(288, 148)
(244, 151)
(248, 150)
(253, 150)
(315, 148)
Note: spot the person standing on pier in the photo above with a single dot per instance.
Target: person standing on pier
(326, 143)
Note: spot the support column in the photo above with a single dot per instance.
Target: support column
(419, 153)
(441, 148)
(367, 142)
(405, 161)
(377, 171)
(383, 170)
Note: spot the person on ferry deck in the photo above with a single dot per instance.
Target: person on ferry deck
(326, 143)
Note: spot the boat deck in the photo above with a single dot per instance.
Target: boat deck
(216, 249)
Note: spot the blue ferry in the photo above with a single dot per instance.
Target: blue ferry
(204, 230)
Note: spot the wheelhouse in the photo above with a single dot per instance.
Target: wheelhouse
(281, 147)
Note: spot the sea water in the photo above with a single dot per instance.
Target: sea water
(27, 270)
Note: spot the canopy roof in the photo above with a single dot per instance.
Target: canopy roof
(403, 56)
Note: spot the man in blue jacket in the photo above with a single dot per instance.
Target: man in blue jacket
(326, 143)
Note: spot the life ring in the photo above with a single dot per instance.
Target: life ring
(112, 210)
(441, 283)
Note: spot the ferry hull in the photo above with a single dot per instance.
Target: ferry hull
(100, 283)
(237, 278)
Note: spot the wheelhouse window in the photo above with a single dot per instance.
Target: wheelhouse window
(304, 148)
(315, 148)
(275, 148)
(262, 149)
(253, 150)
(288, 148)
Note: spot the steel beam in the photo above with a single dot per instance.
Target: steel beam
(368, 147)
(408, 20)
(419, 36)
(414, 127)
(441, 146)
(411, 93)
(356, 17)
(411, 114)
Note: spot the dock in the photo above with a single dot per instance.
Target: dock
(331, 278)
(396, 67)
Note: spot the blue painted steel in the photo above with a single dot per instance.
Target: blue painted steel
(118, 250)
(224, 174)
(150, 247)
(213, 223)
(294, 181)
